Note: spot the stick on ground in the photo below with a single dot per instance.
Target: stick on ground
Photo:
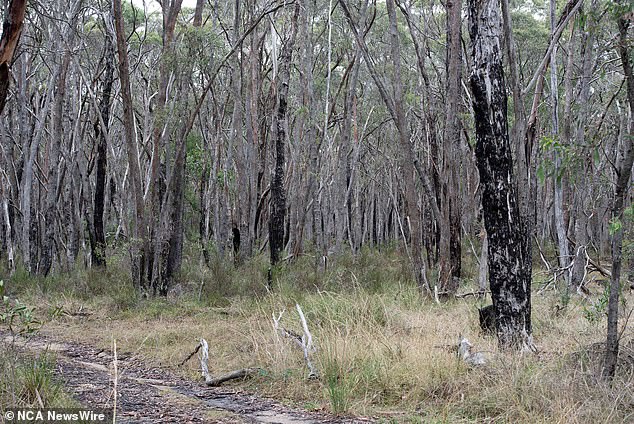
(216, 381)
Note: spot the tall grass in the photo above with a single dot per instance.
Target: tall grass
(29, 382)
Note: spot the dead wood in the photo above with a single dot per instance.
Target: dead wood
(233, 375)
(212, 381)
(190, 355)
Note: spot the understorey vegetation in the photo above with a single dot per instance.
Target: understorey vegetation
(381, 349)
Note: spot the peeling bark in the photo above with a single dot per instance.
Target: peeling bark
(11, 30)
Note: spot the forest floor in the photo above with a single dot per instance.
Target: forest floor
(149, 394)
(383, 351)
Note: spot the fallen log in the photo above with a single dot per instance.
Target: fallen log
(212, 381)
(233, 375)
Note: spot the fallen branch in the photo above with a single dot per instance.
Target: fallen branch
(477, 293)
(204, 360)
(599, 269)
(305, 341)
(216, 381)
(284, 332)
(233, 375)
(190, 355)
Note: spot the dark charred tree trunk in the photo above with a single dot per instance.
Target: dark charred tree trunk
(98, 243)
(278, 192)
(623, 176)
(509, 273)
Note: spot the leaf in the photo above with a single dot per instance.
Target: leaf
(615, 226)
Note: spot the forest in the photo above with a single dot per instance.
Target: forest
(311, 211)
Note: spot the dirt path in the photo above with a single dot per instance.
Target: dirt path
(153, 395)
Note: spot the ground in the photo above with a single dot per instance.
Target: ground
(384, 353)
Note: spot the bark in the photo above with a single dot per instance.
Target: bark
(198, 13)
(509, 275)
(310, 134)
(98, 248)
(450, 227)
(278, 191)
(140, 243)
(11, 30)
(167, 222)
(240, 217)
(31, 148)
(583, 205)
(54, 161)
(483, 269)
(623, 176)
(562, 239)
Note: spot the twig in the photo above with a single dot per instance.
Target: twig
(541, 255)
(216, 381)
(190, 355)
(307, 342)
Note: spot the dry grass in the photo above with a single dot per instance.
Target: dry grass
(382, 350)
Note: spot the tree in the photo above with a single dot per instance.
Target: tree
(278, 192)
(625, 160)
(509, 275)
(140, 244)
(11, 30)
(450, 232)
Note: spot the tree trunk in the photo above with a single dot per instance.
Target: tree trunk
(278, 192)
(140, 244)
(11, 30)
(54, 161)
(509, 275)
(562, 239)
(98, 248)
(450, 227)
(582, 203)
(623, 175)
(407, 158)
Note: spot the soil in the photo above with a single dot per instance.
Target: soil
(147, 394)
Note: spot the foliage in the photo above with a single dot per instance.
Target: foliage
(30, 382)
(595, 312)
(18, 318)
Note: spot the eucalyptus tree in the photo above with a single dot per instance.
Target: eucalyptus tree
(509, 275)
(623, 171)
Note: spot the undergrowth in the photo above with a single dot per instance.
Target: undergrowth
(383, 349)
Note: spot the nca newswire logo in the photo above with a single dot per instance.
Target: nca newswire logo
(57, 416)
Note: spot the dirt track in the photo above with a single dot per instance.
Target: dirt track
(153, 395)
